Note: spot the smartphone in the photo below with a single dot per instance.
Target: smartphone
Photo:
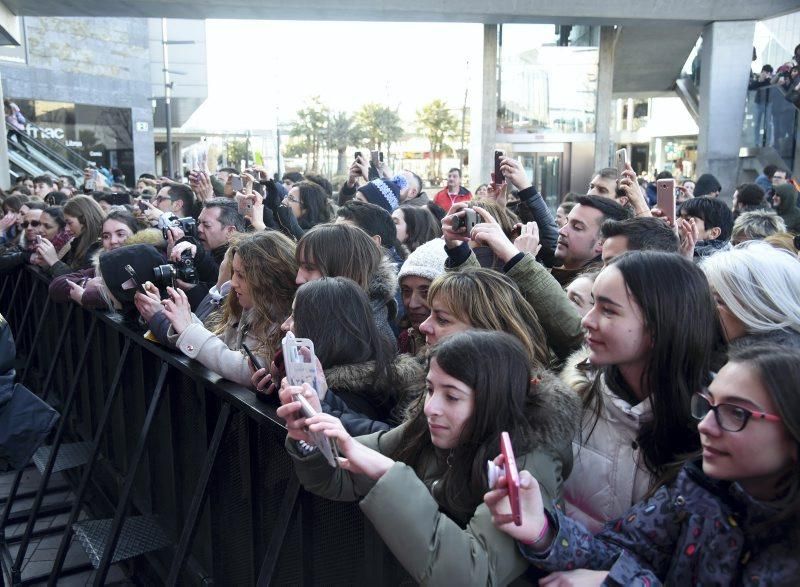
(621, 160)
(467, 221)
(380, 156)
(358, 154)
(375, 158)
(142, 207)
(498, 175)
(665, 197)
(252, 357)
(133, 282)
(236, 183)
(302, 368)
(508, 470)
(38, 239)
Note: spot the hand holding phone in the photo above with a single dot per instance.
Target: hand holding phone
(236, 183)
(256, 363)
(621, 160)
(508, 470)
(499, 176)
(665, 198)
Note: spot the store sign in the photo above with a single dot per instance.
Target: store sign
(44, 133)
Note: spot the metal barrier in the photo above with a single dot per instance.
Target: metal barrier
(173, 457)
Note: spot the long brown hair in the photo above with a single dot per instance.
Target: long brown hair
(340, 250)
(269, 269)
(91, 217)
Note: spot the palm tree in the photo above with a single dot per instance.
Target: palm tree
(309, 128)
(342, 132)
(438, 124)
(380, 125)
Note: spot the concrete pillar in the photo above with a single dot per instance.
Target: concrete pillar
(603, 104)
(725, 66)
(483, 131)
(5, 178)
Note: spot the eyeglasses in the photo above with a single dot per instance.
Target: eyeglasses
(292, 200)
(729, 417)
(33, 223)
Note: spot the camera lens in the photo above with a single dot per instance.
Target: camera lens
(163, 275)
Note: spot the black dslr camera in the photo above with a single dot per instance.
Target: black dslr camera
(164, 275)
(188, 225)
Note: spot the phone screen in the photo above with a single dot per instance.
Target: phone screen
(236, 183)
(621, 158)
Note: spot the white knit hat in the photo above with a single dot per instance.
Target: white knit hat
(427, 261)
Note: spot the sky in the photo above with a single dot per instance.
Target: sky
(260, 71)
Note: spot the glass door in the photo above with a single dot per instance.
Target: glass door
(544, 171)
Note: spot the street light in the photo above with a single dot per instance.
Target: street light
(168, 85)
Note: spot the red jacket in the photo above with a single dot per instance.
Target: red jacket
(445, 200)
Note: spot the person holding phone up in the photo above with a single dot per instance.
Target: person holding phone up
(422, 484)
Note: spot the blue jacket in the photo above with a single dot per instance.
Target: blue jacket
(696, 531)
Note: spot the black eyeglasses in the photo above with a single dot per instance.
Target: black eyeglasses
(33, 223)
(729, 417)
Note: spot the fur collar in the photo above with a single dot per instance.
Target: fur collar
(357, 377)
(575, 374)
(383, 285)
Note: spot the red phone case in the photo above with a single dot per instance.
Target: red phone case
(512, 477)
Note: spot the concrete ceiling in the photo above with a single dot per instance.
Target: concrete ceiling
(620, 12)
(648, 59)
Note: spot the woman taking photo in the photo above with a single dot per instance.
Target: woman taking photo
(262, 289)
(421, 484)
(730, 518)
(80, 286)
(84, 219)
(650, 336)
(368, 386)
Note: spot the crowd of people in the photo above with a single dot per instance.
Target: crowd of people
(776, 95)
(645, 367)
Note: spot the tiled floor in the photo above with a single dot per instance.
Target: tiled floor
(42, 551)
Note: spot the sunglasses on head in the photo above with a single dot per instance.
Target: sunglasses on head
(33, 223)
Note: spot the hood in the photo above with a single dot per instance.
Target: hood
(357, 377)
(788, 197)
(383, 285)
(554, 411)
(575, 373)
(111, 267)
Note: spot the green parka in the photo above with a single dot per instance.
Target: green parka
(431, 546)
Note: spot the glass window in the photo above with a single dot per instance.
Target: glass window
(544, 88)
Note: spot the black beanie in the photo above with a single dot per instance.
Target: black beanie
(143, 258)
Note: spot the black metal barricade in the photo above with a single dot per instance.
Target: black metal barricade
(174, 456)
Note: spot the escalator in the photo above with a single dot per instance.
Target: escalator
(769, 133)
(32, 157)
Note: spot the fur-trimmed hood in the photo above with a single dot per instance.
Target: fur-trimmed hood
(575, 374)
(357, 378)
(383, 285)
(555, 416)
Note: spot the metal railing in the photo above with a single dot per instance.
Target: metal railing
(174, 444)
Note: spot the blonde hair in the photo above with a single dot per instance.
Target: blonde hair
(489, 300)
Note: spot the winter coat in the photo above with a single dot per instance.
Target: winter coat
(222, 354)
(70, 263)
(445, 201)
(354, 397)
(788, 207)
(696, 531)
(381, 292)
(92, 296)
(608, 475)
(25, 420)
(432, 547)
(559, 319)
(548, 229)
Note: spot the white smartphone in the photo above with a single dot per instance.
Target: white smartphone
(302, 368)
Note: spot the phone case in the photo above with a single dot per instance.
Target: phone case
(300, 370)
(621, 158)
(665, 197)
(512, 477)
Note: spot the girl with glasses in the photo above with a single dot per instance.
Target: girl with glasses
(730, 517)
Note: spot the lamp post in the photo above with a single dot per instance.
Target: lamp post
(168, 85)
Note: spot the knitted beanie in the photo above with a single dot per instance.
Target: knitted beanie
(427, 261)
(382, 192)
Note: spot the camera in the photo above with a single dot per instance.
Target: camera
(467, 221)
(188, 225)
(184, 269)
